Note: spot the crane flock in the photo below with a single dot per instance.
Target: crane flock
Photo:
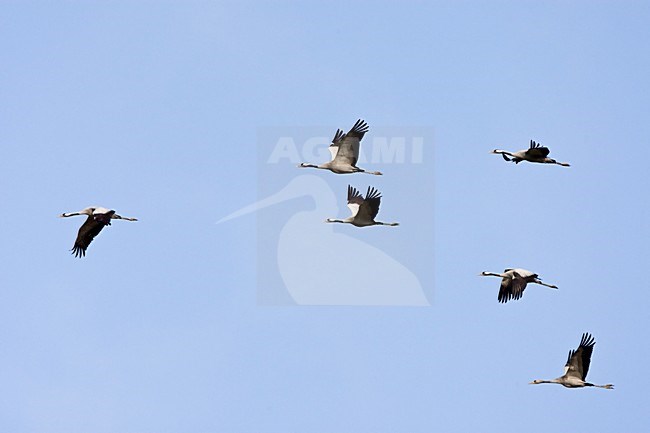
(345, 155)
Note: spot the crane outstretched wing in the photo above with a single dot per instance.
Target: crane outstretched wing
(334, 147)
(355, 200)
(511, 288)
(88, 230)
(370, 207)
(536, 150)
(348, 146)
(578, 361)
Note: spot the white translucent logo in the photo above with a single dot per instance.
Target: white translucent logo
(385, 150)
(302, 260)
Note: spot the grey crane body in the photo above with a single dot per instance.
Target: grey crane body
(577, 367)
(364, 210)
(345, 152)
(514, 282)
(98, 218)
(535, 153)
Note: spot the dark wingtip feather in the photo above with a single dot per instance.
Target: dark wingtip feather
(587, 340)
(359, 128)
(338, 136)
(372, 193)
(352, 193)
(78, 252)
(568, 359)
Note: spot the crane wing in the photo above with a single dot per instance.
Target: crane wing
(355, 200)
(348, 146)
(536, 150)
(578, 361)
(504, 290)
(334, 147)
(511, 288)
(88, 230)
(370, 207)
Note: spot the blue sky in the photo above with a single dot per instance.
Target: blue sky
(156, 110)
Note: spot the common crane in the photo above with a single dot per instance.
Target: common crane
(98, 218)
(514, 282)
(345, 151)
(364, 210)
(577, 367)
(535, 153)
